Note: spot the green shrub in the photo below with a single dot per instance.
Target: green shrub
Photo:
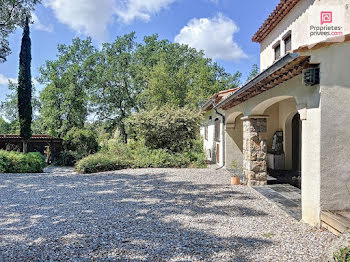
(82, 141)
(343, 255)
(77, 144)
(14, 162)
(68, 158)
(167, 127)
(100, 162)
(115, 155)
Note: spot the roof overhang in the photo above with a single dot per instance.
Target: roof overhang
(217, 98)
(281, 10)
(282, 70)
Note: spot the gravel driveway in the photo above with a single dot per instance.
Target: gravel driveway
(146, 215)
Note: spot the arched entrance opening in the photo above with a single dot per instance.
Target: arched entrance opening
(283, 139)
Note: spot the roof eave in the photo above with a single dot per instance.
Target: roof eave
(270, 70)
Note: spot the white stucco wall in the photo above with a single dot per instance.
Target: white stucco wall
(234, 143)
(335, 125)
(298, 22)
(293, 95)
(210, 143)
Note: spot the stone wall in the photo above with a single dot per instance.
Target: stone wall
(254, 151)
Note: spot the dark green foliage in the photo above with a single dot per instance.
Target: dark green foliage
(77, 143)
(100, 163)
(25, 86)
(64, 100)
(5, 127)
(343, 255)
(9, 109)
(82, 141)
(168, 127)
(12, 14)
(14, 162)
(67, 158)
(116, 155)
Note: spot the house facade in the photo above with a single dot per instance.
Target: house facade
(295, 115)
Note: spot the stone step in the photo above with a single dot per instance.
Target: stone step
(335, 221)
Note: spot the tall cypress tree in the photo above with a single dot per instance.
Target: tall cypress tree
(25, 88)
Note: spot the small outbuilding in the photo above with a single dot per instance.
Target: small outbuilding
(44, 144)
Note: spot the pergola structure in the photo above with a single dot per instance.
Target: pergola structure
(37, 143)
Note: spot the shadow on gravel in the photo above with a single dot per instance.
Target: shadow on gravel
(118, 217)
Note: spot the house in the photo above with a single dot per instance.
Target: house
(295, 115)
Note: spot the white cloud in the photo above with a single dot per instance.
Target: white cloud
(214, 36)
(91, 17)
(130, 10)
(5, 80)
(39, 26)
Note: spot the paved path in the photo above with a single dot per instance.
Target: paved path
(146, 215)
(285, 196)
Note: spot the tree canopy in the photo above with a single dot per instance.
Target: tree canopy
(122, 78)
(12, 14)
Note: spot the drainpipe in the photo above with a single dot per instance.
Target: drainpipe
(222, 132)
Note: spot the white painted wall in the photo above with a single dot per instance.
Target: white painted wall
(298, 22)
(210, 143)
(294, 95)
(335, 125)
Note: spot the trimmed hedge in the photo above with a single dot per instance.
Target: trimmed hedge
(14, 162)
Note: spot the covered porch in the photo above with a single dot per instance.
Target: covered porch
(273, 129)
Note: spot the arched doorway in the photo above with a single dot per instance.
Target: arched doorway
(296, 142)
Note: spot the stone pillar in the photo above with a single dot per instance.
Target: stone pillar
(254, 150)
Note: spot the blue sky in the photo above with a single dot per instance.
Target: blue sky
(222, 28)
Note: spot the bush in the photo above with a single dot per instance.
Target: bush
(77, 144)
(82, 141)
(14, 162)
(115, 155)
(99, 163)
(343, 255)
(167, 127)
(68, 158)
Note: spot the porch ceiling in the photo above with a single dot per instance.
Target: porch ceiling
(284, 69)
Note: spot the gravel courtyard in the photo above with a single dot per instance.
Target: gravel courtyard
(146, 215)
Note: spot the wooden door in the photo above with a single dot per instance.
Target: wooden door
(217, 153)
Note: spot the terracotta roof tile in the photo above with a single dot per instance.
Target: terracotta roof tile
(281, 10)
(34, 137)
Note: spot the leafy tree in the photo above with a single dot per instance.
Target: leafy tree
(9, 110)
(113, 89)
(25, 88)
(178, 75)
(253, 73)
(12, 14)
(5, 126)
(168, 127)
(64, 101)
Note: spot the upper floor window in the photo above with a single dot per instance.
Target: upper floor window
(217, 129)
(287, 42)
(277, 49)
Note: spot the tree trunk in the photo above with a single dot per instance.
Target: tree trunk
(25, 146)
(123, 133)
